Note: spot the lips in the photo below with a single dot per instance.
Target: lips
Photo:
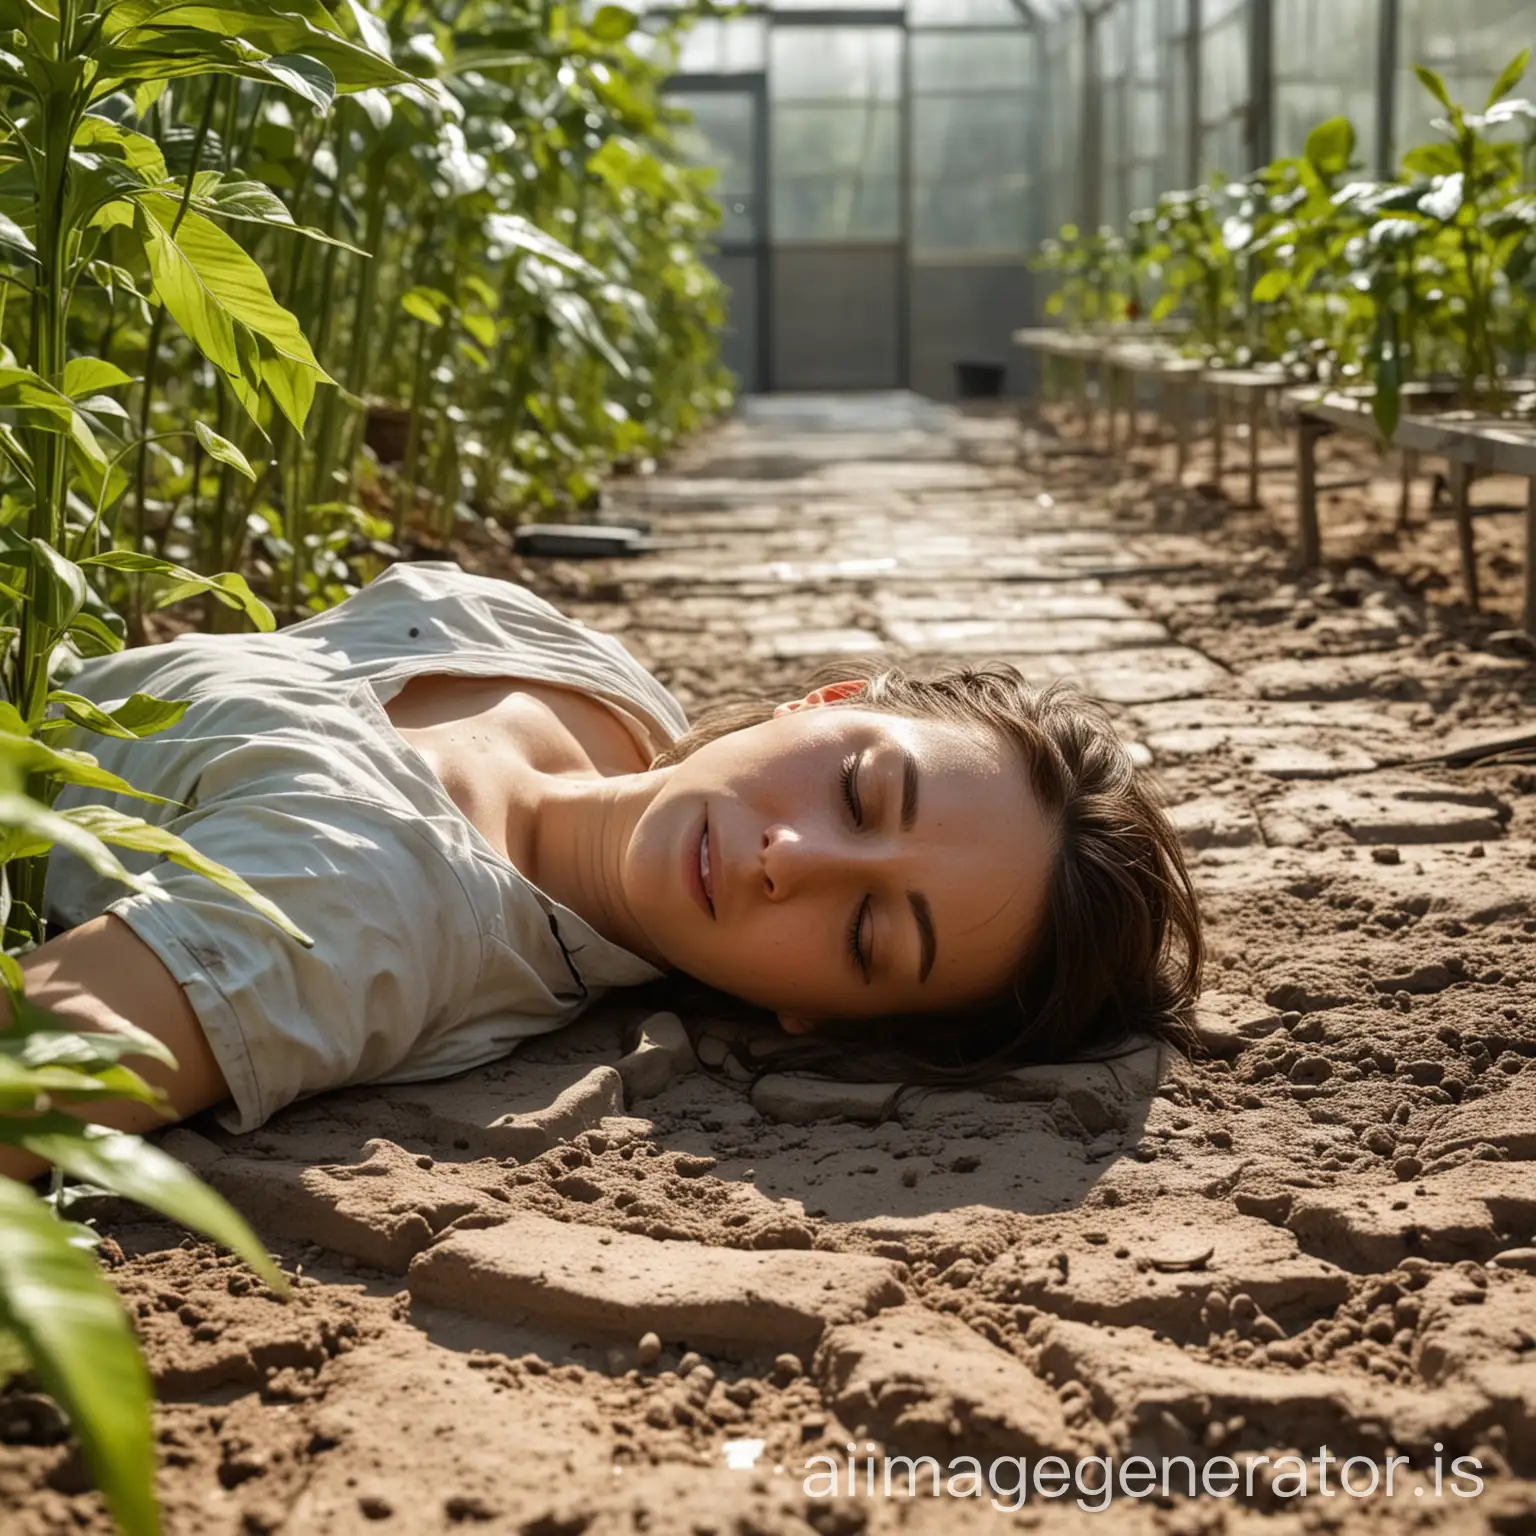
(697, 875)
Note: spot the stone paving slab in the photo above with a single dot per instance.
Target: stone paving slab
(569, 1276)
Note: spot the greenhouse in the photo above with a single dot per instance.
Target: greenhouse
(767, 769)
(887, 170)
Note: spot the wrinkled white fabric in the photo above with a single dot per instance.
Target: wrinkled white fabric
(432, 952)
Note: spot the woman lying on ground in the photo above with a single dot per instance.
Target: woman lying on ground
(485, 815)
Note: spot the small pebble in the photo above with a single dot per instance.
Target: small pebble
(649, 1349)
(1517, 1258)
(786, 1368)
(688, 1362)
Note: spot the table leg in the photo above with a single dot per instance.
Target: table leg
(1131, 386)
(1410, 468)
(1308, 434)
(1183, 404)
(1218, 438)
(1253, 450)
(1528, 614)
(1461, 488)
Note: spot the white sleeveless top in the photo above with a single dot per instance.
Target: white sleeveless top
(432, 952)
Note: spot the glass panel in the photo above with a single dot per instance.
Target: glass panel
(722, 135)
(969, 62)
(1224, 64)
(1469, 42)
(835, 172)
(838, 5)
(1325, 65)
(963, 13)
(736, 46)
(835, 64)
(971, 190)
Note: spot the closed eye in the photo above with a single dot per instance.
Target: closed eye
(850, 783)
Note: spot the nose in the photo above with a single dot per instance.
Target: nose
(797, 858)
(786, 859)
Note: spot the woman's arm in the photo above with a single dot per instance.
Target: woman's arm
(96, 976)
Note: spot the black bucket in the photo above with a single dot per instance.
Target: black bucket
(979, 381)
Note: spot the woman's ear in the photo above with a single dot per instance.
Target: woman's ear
(829, 694)
(794, 1025)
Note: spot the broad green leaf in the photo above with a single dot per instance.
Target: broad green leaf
(65, 1048)
(30, 829)
(371, 29)
(136, 1170)
(612, 24)
(508, 233)
(1513, 73)
(93, 635)
(214, 291)
(23, 1086)
(29, 1021)
(25, 390)
(58, 588)
(573, 315)
(142, 714)
(304, 77)
(222, 450)
(27, 755)
(1431, 160)
(234, 281)
(1274, 285)
(291, 385)
(128, 832)
(228, 587)
(89, 375)
(72, 1325)
(136, 150)
(1434, 85)
(14, 236)
(1445, 202)
(419, 307)
(1331, 145)
(253, 202)
(126, 16)
(481, 327)
(234, 38)
(189, 302)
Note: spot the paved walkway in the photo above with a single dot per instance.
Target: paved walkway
(1324, 1235)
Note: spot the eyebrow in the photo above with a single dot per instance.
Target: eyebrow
(928, 945)
(908, 790)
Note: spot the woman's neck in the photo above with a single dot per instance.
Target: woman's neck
(581, 828)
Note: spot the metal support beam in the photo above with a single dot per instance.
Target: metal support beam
(1192, 66)
(1090, 167)
(1388, 45)
(1261, 83)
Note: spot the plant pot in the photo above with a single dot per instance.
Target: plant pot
(387, 431)
(979, 381)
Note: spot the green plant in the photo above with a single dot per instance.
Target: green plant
(1345, 280)
(59, 1316)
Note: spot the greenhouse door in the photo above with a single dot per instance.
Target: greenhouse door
(839, 251)
(727, 134)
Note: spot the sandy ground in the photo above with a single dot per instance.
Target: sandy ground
(546, 1297)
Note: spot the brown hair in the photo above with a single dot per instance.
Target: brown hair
(1119, 951)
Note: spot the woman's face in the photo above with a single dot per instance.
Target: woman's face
(836, 863)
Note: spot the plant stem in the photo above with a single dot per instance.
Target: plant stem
(152, 354)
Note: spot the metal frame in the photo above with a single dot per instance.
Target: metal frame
(755, 85)
(1388, 46)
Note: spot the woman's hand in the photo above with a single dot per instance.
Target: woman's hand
(97, 976)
